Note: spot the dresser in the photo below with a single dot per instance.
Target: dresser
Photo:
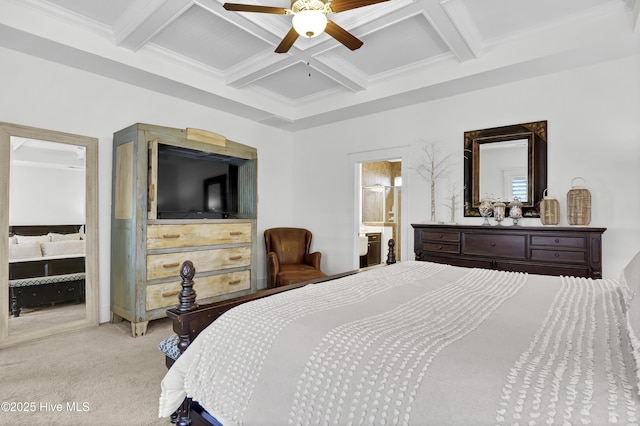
(575, 251)
(148, 249)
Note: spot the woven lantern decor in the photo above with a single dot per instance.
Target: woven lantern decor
(578, 203)
(549, 210)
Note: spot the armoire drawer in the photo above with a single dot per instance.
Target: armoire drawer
(166, 294)
(194, 235)
(168, 264)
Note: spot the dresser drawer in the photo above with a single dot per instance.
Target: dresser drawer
(441, 247)
(440, 236)
(510, 246)
(168, 264)
(559, 256)
(194, 235)
(558, 241)
(166, 294)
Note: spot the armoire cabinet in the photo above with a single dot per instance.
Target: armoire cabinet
(148, 248)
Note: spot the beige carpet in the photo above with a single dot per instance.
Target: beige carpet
(31, 318)
(98, 376)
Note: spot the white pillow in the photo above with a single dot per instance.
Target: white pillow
(60, 248)
(64, 237)
(24, 251)
(36, 239)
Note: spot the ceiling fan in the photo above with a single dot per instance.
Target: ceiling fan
(310, 19)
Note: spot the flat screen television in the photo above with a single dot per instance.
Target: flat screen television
(194, 184)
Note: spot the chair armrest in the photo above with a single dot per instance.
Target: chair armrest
(273, 267)
(313, 259)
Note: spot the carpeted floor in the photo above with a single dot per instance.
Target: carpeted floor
(31, 318)
(98, 376)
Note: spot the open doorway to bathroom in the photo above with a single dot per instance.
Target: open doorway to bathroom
(380, 210)
(385, 181)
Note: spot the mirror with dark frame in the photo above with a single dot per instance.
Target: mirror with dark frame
(505, 162)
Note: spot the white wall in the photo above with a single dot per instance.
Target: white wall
(593, 119)
(46, 95)
(46, 196)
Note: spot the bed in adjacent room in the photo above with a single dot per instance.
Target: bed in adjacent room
(420, 343)
(46, 266)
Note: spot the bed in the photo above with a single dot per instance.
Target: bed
(415, 343)
(46, 266)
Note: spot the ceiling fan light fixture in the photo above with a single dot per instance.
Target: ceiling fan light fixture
(309, 23)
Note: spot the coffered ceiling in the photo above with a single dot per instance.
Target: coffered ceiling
(414, 50)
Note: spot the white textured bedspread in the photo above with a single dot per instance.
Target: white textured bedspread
(417, 343)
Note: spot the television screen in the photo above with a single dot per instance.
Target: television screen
(196, 184)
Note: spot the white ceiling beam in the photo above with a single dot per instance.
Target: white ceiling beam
(144, 19)
(446, 19)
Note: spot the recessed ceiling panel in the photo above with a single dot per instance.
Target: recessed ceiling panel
(297, 81)
(205, 37)
(106, 12)
(490, 16)
(404, 43)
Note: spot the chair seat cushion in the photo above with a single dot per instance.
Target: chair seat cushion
(297, 273)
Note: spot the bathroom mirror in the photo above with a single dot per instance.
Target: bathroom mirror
(49, 232)
(503, 162)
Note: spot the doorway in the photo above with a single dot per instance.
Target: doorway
(380, 193)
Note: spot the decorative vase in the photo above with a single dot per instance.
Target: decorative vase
(498, 211)
(515, 210)
(485, 209)
(578, 204)
(549, 209)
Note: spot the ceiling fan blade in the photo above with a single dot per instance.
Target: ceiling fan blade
(342, 5)
(235, 7)
(287, 41)
(343, 36)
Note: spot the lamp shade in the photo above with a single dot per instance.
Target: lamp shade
(309, 23)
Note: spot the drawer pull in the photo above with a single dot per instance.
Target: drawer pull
(235, 258)
(171, 293)
(235, 233)
(492, 244)
(234, 282)
(170, 265)
(556, 241)
(441, 236)
(557, 254)
(171, 236)
(440, 247)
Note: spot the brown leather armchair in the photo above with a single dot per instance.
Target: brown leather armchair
(288, 257)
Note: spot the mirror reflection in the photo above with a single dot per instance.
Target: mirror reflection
(503, 170)
(47, 190)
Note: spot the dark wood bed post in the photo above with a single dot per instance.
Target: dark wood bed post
(391, 253)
